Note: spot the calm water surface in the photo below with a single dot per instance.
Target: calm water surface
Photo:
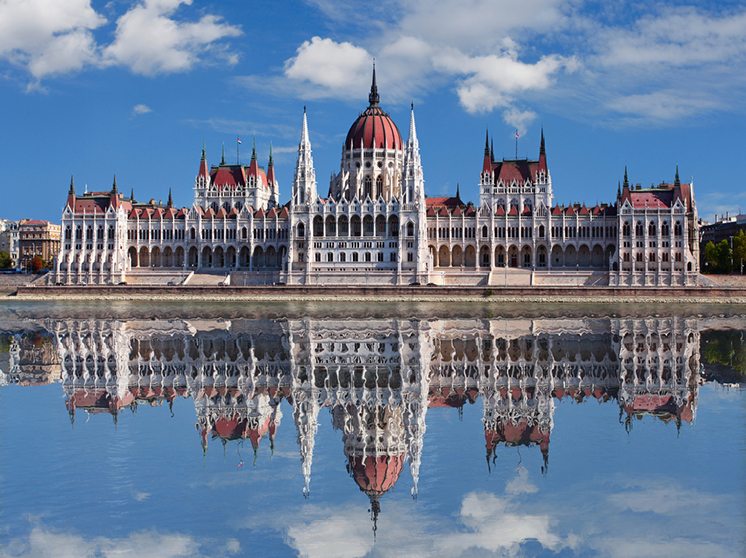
(341, 430)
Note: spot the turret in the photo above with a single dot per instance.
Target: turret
(487, 161)
(304, 181)
(542, 154)
(71, 194)
(204, 172)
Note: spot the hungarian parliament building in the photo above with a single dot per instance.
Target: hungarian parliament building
(376, 380)
(376, 226)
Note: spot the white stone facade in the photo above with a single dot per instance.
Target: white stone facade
(376, 226)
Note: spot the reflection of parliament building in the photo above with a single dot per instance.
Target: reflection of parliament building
(377, 378)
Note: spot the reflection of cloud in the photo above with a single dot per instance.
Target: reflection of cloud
(666, 518)
(520, 484)
(142, 496)
(42, 543)
(486, 523)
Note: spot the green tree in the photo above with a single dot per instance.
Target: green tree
(5, 261)
(724, 256)
(710, 258)
(739, 250)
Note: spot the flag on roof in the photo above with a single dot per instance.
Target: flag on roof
(238, 139)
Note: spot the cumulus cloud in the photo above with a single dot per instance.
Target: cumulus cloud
(48, 36)
(140, 109)
(635, 64)
(149, 40)
(53, 37)
(42, 543)
(331, 68)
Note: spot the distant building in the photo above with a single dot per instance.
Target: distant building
(9, 239)
(37, 238)
(722, 229)
(376, 226)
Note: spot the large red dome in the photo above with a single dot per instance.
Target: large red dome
(374, 128)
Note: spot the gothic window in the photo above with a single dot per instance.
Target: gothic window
(301, 230)
(651, 229)
(541, 231)
(484, 231)
(410, 229)
(330, 257)
(367, 256)
(343, 257)
(367, 187)
(379, 186)
(355, 256)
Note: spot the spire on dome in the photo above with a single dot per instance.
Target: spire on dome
(676, 180)
(373, 97)
(71, 191)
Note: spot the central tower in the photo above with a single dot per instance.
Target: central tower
(372, 156)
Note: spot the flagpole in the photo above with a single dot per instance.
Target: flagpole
(238, 144)
(516, 144)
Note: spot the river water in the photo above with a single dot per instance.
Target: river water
(329, 430)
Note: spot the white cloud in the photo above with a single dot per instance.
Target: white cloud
(44, 543)
(48, 36)
(149, 41)
(53, 37)
(140, 109)
(329, 68)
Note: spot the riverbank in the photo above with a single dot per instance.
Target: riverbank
(574, 295)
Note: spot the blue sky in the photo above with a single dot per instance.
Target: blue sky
(93, 88)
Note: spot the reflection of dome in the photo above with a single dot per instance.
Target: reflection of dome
(375, 474)
(373, 128)
(521, 433)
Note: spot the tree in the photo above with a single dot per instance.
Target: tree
(711, 257)
(739, 250)
(724, 256)
(5, 261)
(37, 264)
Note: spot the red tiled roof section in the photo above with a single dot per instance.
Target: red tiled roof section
(375, 129)
(519, 170)
(376, 474)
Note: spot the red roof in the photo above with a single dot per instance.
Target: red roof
(374, 129)
(375, 474)
(663, 196)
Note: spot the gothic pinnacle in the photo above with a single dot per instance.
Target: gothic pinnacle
(114, 185)
(373, 97)
(72, 185)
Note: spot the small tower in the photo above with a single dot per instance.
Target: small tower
(304, 181)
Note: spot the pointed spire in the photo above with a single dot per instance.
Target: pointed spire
(271, 162)
(204, 152)
(114, 185)
(458, 191)
(253, 149)
(373, 97)
(626, 179)
(487, 142)
(492, 149)
(132, 195)
(676, 180)
(72, 186)
(170, 202)
(618, 189)
(542, 147)
(222, 155)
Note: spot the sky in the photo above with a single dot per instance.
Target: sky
(134, 88)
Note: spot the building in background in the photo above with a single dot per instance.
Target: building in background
(376, 226)
(722, 229)
(9, 240)
(37, 238)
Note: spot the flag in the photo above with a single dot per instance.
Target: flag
(517, 134)
(238, 139)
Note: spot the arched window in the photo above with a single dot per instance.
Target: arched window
(541, 231)
(301, 230)
(192, 234)
(367, 187)
(410, 229)
(484, 231)
(379, 186)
